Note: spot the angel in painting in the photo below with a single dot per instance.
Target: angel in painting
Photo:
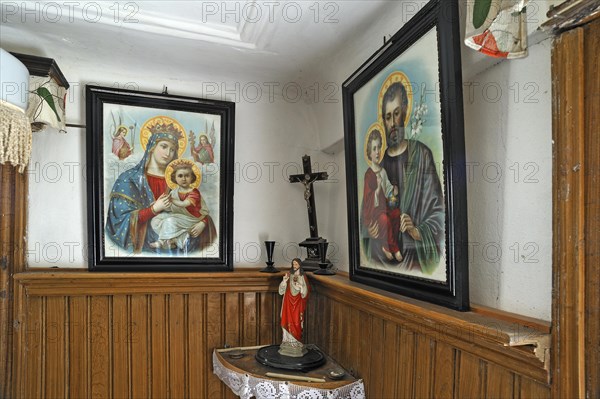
(203, 153)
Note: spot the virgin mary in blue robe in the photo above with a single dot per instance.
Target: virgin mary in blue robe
(128, 219)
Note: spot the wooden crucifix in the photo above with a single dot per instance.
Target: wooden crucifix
(307, 179)
(315, 260)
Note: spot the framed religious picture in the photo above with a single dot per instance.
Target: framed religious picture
(160, 195)
(405, 162)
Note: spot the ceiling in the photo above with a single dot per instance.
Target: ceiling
(269, 41)
(265, 40)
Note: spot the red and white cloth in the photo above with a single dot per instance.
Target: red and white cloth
(497, 27)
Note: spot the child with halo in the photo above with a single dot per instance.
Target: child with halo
(187, 207)
(377, 191)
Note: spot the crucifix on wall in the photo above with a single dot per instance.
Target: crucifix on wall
(308, 178)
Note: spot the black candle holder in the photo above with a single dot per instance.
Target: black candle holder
(324, 268)
(270, 269)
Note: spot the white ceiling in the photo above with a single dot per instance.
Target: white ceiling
(264, 39)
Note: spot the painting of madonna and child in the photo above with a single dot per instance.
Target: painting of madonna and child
(399, 157)
(161, 182)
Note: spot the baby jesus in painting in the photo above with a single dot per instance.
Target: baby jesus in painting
(377, 190)
(187, 209)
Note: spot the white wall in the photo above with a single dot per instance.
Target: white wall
(272, 134)
(508, 135)
(510, 219)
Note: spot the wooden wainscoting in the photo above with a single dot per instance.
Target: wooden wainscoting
(404, 348)
(83, 334)
(13, 226)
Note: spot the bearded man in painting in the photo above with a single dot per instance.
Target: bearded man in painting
(411, 170)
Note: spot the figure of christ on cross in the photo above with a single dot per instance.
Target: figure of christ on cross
(307, 179)
(313, 261)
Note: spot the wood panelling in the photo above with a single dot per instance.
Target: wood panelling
(215, 334)
(427, 351)
(424, 366)
(197, 352)
(390, 357)
(121, 345)
(158, 342)
(139, 352)
(406, 359)
(78, 346)
(100, 352)
(443, 385)
(592, 207)
(470, 376)
(569, 224)
(576, 214)
(120, 341)
(13, 222)
(177, 345)
(55, 361)
(500, 383)
(377, 339)
(33, 366)
(532, 390)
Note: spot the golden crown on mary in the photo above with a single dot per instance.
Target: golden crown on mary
(166, 129)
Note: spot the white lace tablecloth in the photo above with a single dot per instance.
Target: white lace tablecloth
(247, 386)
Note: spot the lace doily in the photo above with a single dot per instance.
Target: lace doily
(15, 136)
(247, 386)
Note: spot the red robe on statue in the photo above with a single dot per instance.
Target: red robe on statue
(292, 310)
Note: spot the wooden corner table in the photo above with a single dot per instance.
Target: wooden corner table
(247, 378)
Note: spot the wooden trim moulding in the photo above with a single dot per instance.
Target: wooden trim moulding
(540, 325)
(72, 283)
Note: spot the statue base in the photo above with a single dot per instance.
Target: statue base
(270, 356)
(287, 349)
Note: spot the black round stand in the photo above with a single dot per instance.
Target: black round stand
(324, 270)
(269, 268)
(270, 356)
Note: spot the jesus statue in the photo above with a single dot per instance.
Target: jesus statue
(294, 288)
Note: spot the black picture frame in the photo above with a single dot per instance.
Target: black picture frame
(131, 134)
(424, 58)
